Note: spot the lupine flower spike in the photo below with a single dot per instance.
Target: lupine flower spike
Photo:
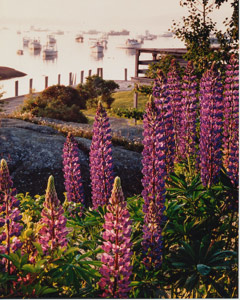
(101, 166)
(154, 173)
(211, 114)
(72, 173)
(175, 97)
(231, 120)
(189, 113)
(9, 215)
(53, 231)
(116, 269)
(160, 93)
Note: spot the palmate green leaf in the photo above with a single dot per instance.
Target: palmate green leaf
(90, 262)
(191, 282)
(48, 290)
(71, 250)
(29, 268)
(203, 269)
(38, 247)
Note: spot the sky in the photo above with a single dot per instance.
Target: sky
(139, 15)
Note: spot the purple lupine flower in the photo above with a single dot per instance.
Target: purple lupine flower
(211, 114)
(116, 269)
(72, 173)
(9, 214)
(175, 97)
(154, 173)
(101, 166)
(187, 146)
(53, 230)
(231, 120)
(160, 93)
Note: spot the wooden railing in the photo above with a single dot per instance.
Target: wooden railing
(155, 52)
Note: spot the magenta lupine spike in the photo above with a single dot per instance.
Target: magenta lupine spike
(72, 173)
(160, 93)
(9, 214)
(101, 165)
(154, 173)
(116, 269)
(187, 146)
(175, 98)
(53, 231)
(211, 114)
(231, 120)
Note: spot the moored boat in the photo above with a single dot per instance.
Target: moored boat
(49, 51)
(34, 44)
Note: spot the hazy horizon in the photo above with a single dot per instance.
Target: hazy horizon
(134, 15)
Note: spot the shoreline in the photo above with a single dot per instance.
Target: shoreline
(9, 73)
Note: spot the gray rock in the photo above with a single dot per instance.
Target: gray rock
(34, 152)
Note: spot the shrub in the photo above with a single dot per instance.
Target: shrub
(57, 102)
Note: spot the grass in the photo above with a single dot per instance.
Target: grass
(122, 100)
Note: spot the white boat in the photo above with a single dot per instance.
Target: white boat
(97, 47)
(26, 40)
(133, 43)
(49, 51)
(51, 39)
(34, 45)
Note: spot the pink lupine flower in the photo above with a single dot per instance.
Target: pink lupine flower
(53, 232)
(116, 269)
(101, 166)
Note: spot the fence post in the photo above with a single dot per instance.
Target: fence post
(16, 88)
(70, 78)
(125, 74)
(98, 71)
(30, 85)
(89, 73)
(46, 82)
(59, 79)
(135, 100)
(101, 72)
(82, 76)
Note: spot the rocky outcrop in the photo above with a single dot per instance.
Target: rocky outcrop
(34, 152)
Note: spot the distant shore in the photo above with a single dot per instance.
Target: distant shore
(8, 73)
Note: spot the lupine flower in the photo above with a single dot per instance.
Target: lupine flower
(101, 166)
(116, 269)
(72, 173)
(187, 146)
(175, 97)
(9, 214)
(160, 93)
(154, 173)
(231, 120)
(53, 231)
(211, 107)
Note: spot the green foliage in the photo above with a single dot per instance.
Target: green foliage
(96, 89)
(57, 102)
(130, 113)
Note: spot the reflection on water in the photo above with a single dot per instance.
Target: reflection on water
(97, 55)
(130, 52)
(35, 51)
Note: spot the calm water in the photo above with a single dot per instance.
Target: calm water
(72, 57)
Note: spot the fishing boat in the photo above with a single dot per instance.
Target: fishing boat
(97, 47)
(133, 43)
(34, 44)
(49, 51)
(26, 40)
(51, 39)
(79, 38)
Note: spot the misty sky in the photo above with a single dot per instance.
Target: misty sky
(137, 15)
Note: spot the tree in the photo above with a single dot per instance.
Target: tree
(197, 30)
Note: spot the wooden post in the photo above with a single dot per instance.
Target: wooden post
(30, 85)
(75, 79)
(89, 72)
(101, 72)
(125, 74)
(135, 100)
(154, 56)
(46, 82)
(98, 71)
(16, 88)
(59, 79)
(70, 78)
(82, 76)
(136, 62)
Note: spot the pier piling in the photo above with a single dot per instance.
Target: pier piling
(82, 76)
(30, 85)
(125, 74)
(46, 82)
(59, 79)
(16, 88)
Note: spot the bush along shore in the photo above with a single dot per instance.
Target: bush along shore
(176, 239)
